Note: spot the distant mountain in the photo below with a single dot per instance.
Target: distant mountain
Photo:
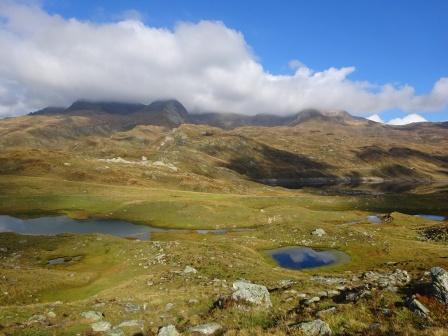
(107, 107)
(171, 113)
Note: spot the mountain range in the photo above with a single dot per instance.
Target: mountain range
(162, 144)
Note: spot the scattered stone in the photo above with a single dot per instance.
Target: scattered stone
(115, 332)
(314, 328)
(168, 330)
(93, 316)
(37, 319)
(206, 329)
(387, 281)
(439, 284)
(169, 306)
(329, 280)
(51, 314)
(417, 307)
(353, 294)
(285, 284)
(252, 293)
(310, 301)
(131, 307)
(189, 270)
(193, 301)
(319, 232)
(328, 311)
(101, 326)
(131, 323)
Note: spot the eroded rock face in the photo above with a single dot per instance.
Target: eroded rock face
(206, 329)
(168, 330)
(439, 284)
(315, 328)
(251, 293)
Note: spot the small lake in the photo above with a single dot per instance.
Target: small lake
(53, 225)
(63, 224)
(299, 257)
(433, 217)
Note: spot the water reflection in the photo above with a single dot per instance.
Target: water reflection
(297, 257)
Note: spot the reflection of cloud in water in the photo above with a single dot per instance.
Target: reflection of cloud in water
(304, 257)
(307, 254)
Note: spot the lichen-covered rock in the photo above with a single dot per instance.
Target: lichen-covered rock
(440, 284)
(206, 329)
(168, 330)
(315, 328)
(251, 293)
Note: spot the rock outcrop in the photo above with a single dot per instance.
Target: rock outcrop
(439, 285)
(251, 293)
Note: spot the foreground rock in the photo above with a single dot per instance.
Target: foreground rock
(206, 329)
(439, 284)
(251, 293)
(168, 330)
(314, 328)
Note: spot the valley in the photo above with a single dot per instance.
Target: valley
(307, 183)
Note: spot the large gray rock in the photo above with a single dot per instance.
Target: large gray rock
(440, 284)
(251, 293)
(206, 329)
(315, 328)
(168, 330)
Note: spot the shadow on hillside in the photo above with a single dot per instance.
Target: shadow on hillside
(278, 167)
(375, 153)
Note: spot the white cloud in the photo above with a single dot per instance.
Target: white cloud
(376, 118)
(409, 119)
(49, 60)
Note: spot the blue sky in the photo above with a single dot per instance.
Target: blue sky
(398, 42)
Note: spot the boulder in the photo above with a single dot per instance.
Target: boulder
(168, 330)
(206, 329)
(439, 284)
(315, 328)
(251, 293)
(319, 232)
(101, 326)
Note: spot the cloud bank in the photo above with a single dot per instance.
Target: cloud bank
(49, 60)
(409, 119)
